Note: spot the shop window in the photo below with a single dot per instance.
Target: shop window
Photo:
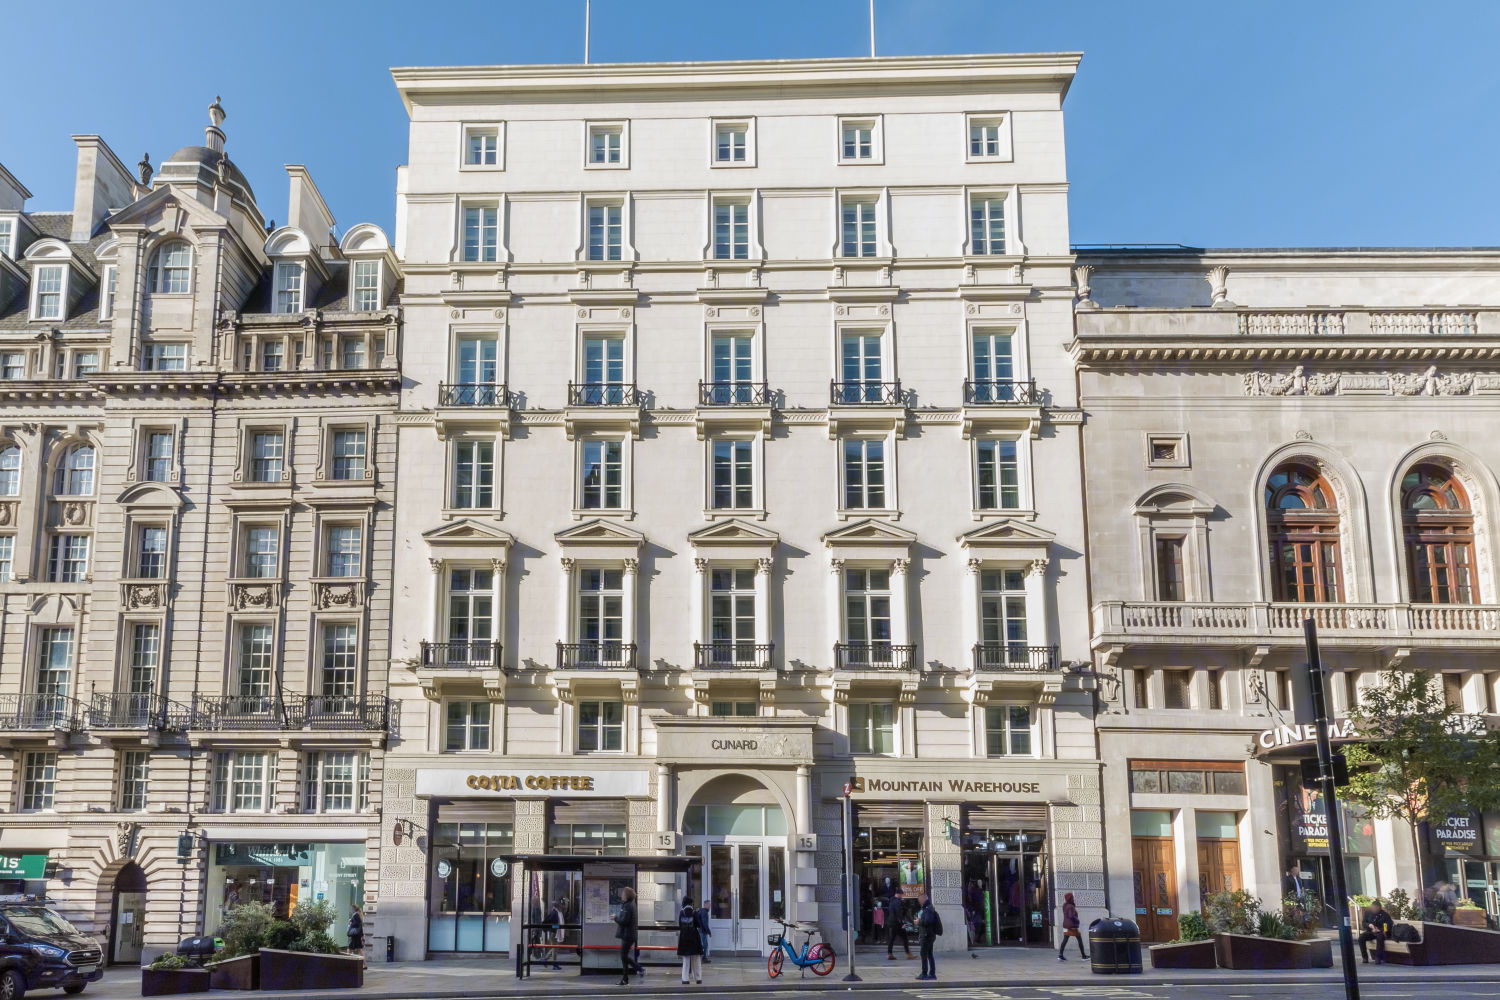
(282, 874)
(889, 851)
(595, 827)
(468, 726)
(1004, 879)
(601, 726)
(469, 901)
(1007, 730)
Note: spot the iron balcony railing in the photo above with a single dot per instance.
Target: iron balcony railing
(348, 713)
(37, 712)
(605, 655)
(603, 394)
(138, 711)
(873, 656)
(473, 654)
(732, 655)
(988, 390)
(475, 394)
(1013, 656)
(866, 393)
(241, 711)
(734, 394)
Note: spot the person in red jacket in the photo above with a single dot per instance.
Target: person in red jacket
(1070, 928)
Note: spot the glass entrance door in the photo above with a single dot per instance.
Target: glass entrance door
(1479, 881)
(737, 896)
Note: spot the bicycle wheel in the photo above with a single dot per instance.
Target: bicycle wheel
(820, 959)
(773, 963)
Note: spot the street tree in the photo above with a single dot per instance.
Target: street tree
(1418, 757)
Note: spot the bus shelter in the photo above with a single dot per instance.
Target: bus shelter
(570, 903)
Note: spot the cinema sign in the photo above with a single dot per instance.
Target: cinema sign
(1282, 737)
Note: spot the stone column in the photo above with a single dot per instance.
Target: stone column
(695, 600)
(834, 611)
(763, 601)
(945, 878)
(1036, 603)
(565, 599)
(975, 607)
(900, 631)
(627, 601)
(805, 896)
(664, 810)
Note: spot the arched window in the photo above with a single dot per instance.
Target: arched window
(75, 473)
(10, 471)
(1439, 528)
(1302, 517)
(171, 268)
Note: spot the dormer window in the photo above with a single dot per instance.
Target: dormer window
(366, 291)
(50, 279)
(288, 287)
(171, 269)
(107, 291)
(7, 238)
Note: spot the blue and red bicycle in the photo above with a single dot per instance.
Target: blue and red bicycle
(818, 957)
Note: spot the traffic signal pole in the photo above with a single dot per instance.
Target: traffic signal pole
(1331, 804)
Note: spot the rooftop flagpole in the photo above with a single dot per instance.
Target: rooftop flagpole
(586, 13)
(872, 29)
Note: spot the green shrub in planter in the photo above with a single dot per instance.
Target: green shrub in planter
(1235, 912)
(1270, 925)
(1398, 903)
(312, 920)
(245, 928)
(281, 934)
(1303, 914)
(1190, 927)
(168, 962)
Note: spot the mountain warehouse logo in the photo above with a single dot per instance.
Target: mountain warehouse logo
(865, 785)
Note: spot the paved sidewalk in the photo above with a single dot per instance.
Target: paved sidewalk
(459, 978)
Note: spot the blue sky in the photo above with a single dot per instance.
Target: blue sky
(1261, 123)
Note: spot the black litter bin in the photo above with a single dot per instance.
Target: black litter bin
(195, 946)
(1114, 946)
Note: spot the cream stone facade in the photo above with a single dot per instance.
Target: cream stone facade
(1271, 435)
(197, 474)
(739, 461)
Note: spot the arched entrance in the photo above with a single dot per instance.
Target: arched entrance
(739, 828)
(127, 916)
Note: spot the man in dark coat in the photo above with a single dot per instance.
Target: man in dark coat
(929, 926)
(689, 942)
(1377, 929)
(628, 931)
(895, 924)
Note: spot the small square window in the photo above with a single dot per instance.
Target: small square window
(607, 146)
(1167, 451)
(733, 144)
(988, 138)
(482, 147)
(859, 140)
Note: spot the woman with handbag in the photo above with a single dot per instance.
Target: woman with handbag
(689, 942)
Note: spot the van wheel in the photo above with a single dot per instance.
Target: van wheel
(12, 986)
(74, 990)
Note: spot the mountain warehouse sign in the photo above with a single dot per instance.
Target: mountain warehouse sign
(960, 787)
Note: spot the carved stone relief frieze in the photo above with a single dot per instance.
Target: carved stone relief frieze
(1299, 382)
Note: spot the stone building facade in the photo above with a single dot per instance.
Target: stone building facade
(739, 461)
(197, 466)
(1273, 435)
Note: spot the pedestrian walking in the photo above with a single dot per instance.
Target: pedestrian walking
(1070, 928)
(895, 924)
(628, 931)
(701, 915)
(689, 942)
(929, 929)
(356, 932)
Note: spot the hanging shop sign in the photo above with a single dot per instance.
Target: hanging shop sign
(23, 865)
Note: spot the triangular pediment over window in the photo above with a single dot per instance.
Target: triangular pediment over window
(1009, 540)
(162, 210)
(733, 532)
(600, 539)
(869, 540)
(467, 531)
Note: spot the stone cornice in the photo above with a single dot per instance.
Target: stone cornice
(1132, 352)
(244, 384)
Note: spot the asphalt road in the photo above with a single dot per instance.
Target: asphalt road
(1121, 991)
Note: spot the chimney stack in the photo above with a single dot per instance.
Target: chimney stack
(213, 135)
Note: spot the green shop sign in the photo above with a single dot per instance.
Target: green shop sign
(23, 865)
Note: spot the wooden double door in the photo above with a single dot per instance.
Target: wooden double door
(1154, 866)
(1218, 866)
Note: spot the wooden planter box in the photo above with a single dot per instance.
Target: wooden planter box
(1446, 944)
(1322, 952)
(301, 970)
(165, 982)
(1247, 952)
(1468, 916)
(1184, 955)
(239, 973)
